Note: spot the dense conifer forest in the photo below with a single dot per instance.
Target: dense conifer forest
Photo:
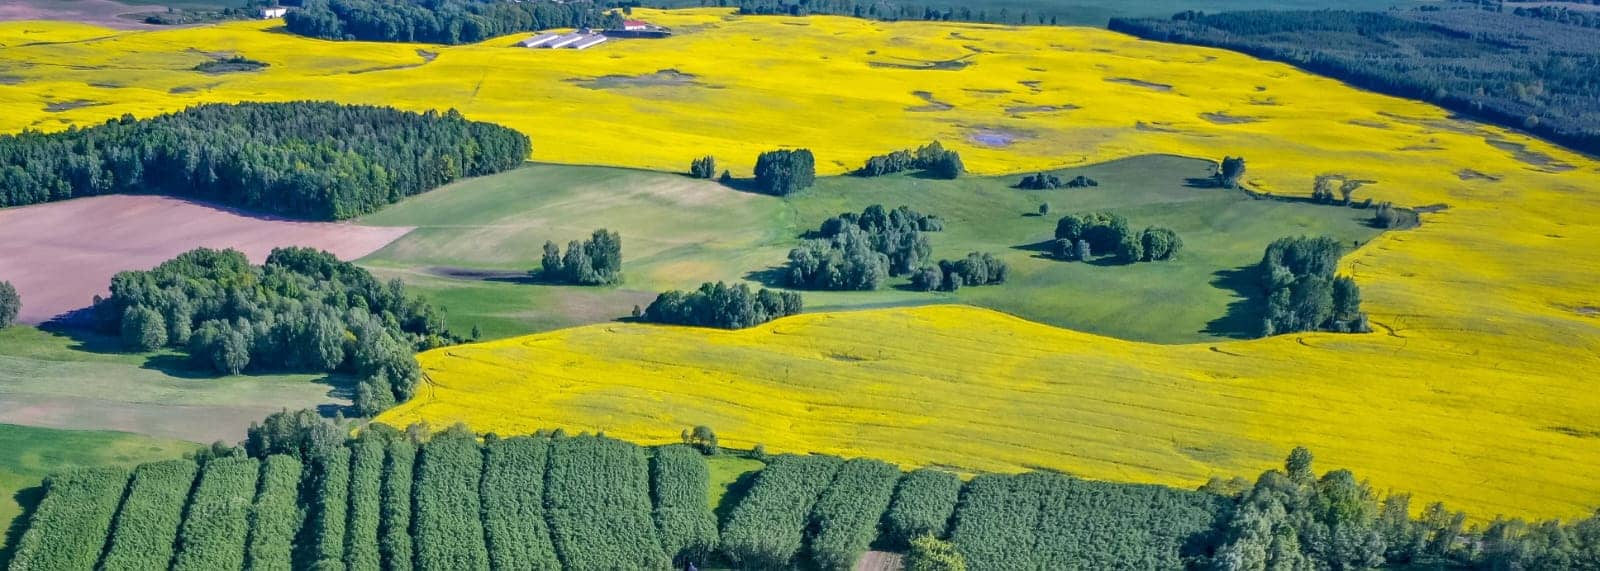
(315, 160)
(440, 21)
(1516, 71)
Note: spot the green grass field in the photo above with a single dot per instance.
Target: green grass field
(474, 240)
(726, 472)
(29, 454)
(80, 382)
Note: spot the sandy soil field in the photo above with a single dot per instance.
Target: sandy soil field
(60, 255)
(100, 12)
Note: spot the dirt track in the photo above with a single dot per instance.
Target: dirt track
(60, 255)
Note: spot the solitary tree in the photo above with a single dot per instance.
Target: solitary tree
(1044, 208)
(10, 304)
(1083, 250)
(1230, 172)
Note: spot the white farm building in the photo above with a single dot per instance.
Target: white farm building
(575, 40)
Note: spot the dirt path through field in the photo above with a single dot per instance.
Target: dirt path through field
(60, 255)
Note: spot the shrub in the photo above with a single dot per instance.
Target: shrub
(10, 304)
(975, 270)
(1160, 244)
(928, 553)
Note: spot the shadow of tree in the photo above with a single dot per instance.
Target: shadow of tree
(736, 493)
(772, 276)
(1244, 315)
(28, 498)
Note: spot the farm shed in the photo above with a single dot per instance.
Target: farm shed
(538, 40)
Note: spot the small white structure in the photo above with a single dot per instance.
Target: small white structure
(588, 42)
(635, 25)
(538, 41)
(273, 12)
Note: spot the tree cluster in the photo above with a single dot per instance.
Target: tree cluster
(977, 269)
(596, 261)
(1084, 235)
(514, 519)
(69, 526)
(597, 498)
(721, 305)
(923, 502)
(1518, 72)
(440, 21)
(147, 524)
(230, 65)
(931, 158)
(846, 515)
(321, 161)
(1561, 14)
(303, 310)
(1042, 181)
(704, 167)
(784, 171)
(1302, 292)
(862, 251)
(223, 498)
(10, 304)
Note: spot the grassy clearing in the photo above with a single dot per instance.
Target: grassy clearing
(727, 471)
(29, 454)
(57, 381)
(673, 239)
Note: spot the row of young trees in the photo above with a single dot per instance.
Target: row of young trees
(440, 21)
(931, 158)
(596, 261)
(721, 305)
(302, 310)
(1302, 291)
(862, 251)
(315, 160)
(606, 504)
(1085, 235)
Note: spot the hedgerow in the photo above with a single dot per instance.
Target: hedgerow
(147, 525)
(448, 527)
(330, 507)
(366, 500)
(680, 485)
(68, 529)
(217, 522)
(766, 528)
(994, 523)
(276, 518)
(394, 529)
(845, 519)
(513, 505)
(597, 493)
(923, 504)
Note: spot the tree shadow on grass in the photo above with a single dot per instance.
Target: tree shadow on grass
(1243, 318)
(28, 498)
(772, 276)
(1040, 246)
(735, 494)
(84, 337)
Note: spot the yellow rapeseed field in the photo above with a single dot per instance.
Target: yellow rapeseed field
(1475, 390)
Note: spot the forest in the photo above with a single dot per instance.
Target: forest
(302, 310)
(440, 21)
(1518, 72)
(301, 494)
(304, 159)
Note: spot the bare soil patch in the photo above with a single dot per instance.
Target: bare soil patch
(60, 255)
(1222, 118)
(99, 12)
(61, 106)
(1521, 153)
(880, 561)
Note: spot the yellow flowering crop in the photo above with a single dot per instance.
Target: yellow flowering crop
(1475, 389)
